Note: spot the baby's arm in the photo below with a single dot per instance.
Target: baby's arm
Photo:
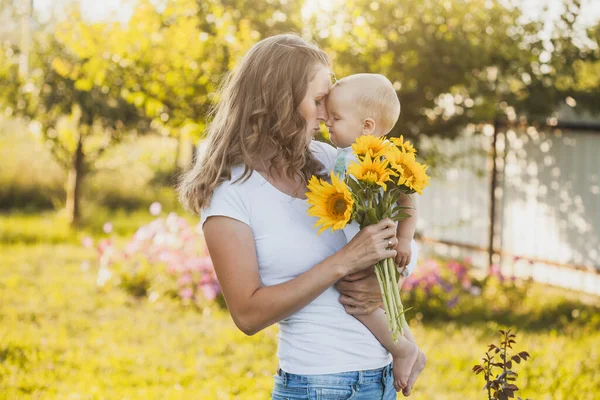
(406, 230)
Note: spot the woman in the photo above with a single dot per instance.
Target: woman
(272, 267)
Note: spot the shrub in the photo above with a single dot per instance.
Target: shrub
(165, 257)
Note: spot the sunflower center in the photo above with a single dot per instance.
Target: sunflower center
(337, 204)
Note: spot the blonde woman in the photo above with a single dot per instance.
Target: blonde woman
(249, 189)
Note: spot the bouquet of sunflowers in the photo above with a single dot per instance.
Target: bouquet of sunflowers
(383, 171)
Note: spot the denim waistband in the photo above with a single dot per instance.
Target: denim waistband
(342, 378)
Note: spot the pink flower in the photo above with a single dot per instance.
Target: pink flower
(466, 282)
(155, 208)
(184, 280)
(210, 291)
(199, 264)
(103, 245)
(107, 228)
(496, 270)
(172, 269)
(186, 293)
(87, 242)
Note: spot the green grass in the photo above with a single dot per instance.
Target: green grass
(61, 337)
(18, 227)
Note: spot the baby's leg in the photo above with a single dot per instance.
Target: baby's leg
(404, 352)
(418, 366)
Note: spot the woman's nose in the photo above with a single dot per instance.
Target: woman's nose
(322, 115)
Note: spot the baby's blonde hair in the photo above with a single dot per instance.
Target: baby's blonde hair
(376, 99)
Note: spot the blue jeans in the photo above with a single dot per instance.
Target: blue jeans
(374, 384)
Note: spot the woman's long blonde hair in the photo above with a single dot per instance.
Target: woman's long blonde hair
(256, 120)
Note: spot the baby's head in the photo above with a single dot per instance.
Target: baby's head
(361, 104)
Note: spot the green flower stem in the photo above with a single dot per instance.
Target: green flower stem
(391, 302)
(386, 305)
(396, 290)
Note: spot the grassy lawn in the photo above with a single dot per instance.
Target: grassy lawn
(63, 338)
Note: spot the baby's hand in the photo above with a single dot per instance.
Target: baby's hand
(403, 253)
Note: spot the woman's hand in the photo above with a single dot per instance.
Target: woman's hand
(360, 292)
(371, 245)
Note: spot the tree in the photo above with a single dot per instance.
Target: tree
(77, 118)
(455, 62)
(173, 57)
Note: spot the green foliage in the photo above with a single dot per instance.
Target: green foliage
(503, 386)
(171, 59)
(53, 226)
(460, 62)
(455, 291)
(64, 107)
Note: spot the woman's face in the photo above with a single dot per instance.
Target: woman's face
(313, 108)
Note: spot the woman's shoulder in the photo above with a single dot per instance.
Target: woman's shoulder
(229, 199)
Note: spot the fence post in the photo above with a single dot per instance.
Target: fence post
(493, 185)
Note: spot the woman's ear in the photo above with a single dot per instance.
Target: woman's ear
(368, 126)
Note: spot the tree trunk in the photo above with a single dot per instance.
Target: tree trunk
(74, 184)
(177, 152)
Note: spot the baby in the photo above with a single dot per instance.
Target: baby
(367, 104)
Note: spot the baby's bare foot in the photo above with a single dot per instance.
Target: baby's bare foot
(416, 370)
(403, 364)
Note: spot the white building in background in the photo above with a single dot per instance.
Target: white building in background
(548, 203)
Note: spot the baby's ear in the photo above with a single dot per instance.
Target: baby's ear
(368, 126)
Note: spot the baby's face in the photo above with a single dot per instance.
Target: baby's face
(344, 123)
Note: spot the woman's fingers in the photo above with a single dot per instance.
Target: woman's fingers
(359, 275)
(373, 244)
(362, 310)
(355, 307)
(391, 243)
(349, 301)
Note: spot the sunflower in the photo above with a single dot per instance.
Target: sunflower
(402, 145)
(370, 145)
(369, 170)
(410, 173)
(330, 202)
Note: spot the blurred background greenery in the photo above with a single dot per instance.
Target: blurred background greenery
(102, 105)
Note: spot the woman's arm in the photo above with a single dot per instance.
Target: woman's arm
(254, 307)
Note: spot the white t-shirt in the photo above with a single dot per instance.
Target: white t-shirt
(345, 156)
(322, 338)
